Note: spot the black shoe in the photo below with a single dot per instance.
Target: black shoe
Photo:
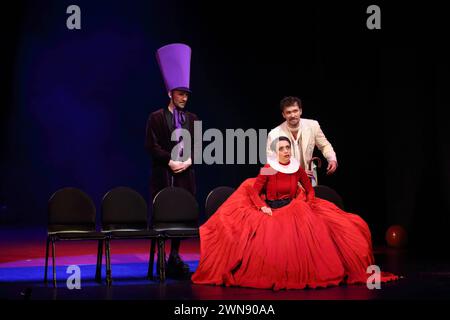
(176, 268)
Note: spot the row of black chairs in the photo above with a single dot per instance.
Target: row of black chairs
(72, 216)
(175, 214)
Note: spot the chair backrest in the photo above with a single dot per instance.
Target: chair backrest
(215, 199)
(329, 194)
(123, 208)
(71, 209)
(174, 206)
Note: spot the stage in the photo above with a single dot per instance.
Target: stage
(22, 272)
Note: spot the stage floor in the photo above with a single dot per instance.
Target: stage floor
(22, 271)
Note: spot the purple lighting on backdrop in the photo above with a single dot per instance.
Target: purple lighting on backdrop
(82, 100)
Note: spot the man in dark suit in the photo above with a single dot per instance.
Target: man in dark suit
(160, 125)
(167, 169)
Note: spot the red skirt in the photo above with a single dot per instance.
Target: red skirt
(301, 245)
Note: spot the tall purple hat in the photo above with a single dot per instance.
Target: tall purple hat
(175, 63)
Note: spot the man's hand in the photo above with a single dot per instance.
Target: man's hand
(266, 210)
(332, 166)
(309, 173)
(175, 165)
(179, 166)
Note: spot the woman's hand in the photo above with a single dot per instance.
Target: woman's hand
(266, 210)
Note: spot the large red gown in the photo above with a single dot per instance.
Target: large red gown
(308, 243)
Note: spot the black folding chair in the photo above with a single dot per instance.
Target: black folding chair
(175, 215)
(124, 216)
(216, 198)
(71, 216)
(329, 194)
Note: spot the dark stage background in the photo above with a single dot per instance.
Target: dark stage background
(75, 103)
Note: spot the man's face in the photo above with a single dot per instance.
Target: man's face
(180, 98)
(292, 115)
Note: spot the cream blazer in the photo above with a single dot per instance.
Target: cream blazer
(311, 135)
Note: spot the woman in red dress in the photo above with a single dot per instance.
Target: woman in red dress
(290, 240)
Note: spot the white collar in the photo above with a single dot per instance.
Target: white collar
(292, 167)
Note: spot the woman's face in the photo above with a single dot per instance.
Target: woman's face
(283, 151)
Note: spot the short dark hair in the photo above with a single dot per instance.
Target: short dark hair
(273, 145)
(290, 101)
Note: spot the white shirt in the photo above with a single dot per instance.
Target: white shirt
(309, 136)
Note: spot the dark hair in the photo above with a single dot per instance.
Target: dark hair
(273, 145)
(290, 101)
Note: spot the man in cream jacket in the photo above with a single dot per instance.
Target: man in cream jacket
(305, 135)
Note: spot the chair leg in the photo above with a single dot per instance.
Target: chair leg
(108, 262)
(162, 259)
(46, 260)
(98, 271)
(54, 264)
(151, 260)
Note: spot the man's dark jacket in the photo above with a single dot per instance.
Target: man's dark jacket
(159, 145)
